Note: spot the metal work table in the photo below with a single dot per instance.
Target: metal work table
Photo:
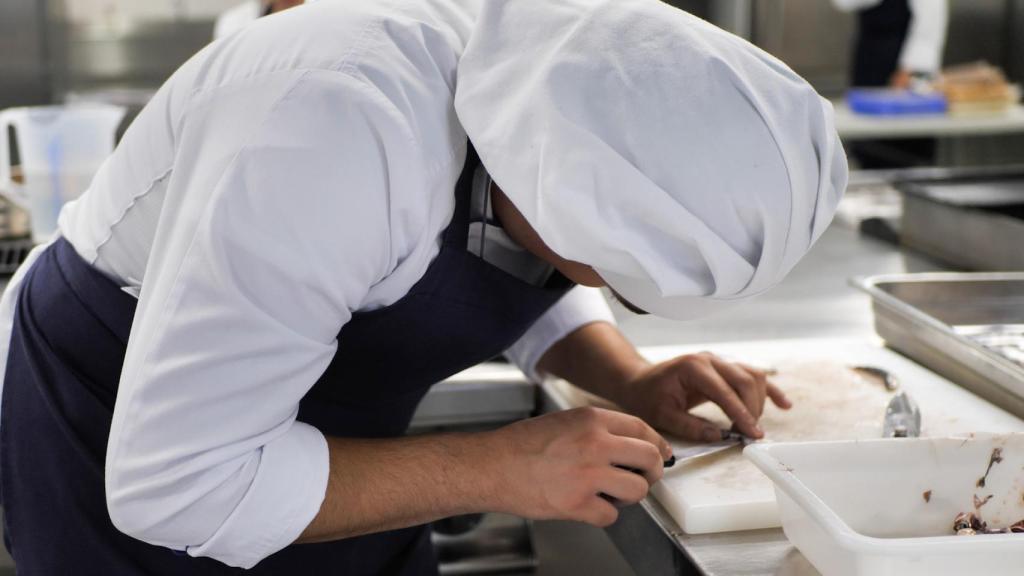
(855, 126)
(813, 301)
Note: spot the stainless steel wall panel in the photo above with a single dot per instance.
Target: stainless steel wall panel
(143, 54)
(810, 36)
(25, 72)
(816, 40)
(977, 31)
(1014, 47)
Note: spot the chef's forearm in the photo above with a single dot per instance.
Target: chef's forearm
(595, 357)
(385, 484)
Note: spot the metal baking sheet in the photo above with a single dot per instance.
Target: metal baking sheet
(969, 327)
(977, 224)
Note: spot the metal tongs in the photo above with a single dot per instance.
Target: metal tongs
(902, 418)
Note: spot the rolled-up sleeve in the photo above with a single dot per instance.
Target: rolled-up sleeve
(274, 227)
(926, 37)
(580, 306)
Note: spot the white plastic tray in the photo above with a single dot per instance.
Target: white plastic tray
(858, 507)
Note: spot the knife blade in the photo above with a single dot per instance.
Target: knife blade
(729, 440)
(902, 418)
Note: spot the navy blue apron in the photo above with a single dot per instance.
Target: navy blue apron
(68, 345)
(881, 31)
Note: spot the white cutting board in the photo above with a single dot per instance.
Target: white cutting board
(725, 492)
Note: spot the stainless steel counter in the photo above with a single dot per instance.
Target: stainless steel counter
(652, 543)
(815, 300)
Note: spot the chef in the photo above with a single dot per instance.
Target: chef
(897, 40)
(318, 217)
(238, 17)
(899, 43)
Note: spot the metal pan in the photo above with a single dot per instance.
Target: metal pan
(977, 224)
(957, 324)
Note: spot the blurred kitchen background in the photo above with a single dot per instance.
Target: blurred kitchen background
(55, 51)
(51, 47)
(120, 51)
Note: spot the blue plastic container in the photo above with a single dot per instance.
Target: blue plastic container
(888, 102)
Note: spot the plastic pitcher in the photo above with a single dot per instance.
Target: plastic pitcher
(61, 148)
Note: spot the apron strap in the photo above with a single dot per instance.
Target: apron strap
(457, 233)
(97, 293)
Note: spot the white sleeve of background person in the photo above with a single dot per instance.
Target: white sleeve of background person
(274, 228)
(579, 307)
(855, 5)
(926, 37)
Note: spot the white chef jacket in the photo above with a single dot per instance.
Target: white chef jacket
(284, 178)
(926, 38)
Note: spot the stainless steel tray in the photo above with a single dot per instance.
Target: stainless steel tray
(961, 325)
(974, 224)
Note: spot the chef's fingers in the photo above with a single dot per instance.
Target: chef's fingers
(762, 386)
(779, 397)
(751, 388)
(707, 381)
(597, 511)
(624, 486)
(696, 399)
(774, 392)
(765, 375)
(690, 427)
(755, 370)
(637, 455)
(622, 424)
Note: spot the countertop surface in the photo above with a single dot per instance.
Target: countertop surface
(815, 300)
(857, 126)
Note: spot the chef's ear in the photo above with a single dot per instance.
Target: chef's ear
(627, 304)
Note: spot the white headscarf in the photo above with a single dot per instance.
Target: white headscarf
(688, 167)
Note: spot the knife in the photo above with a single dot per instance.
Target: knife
(902, 418)
(729, 439)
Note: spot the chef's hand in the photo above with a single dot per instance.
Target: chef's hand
(559, 465)
(662, 394)
(900, 79)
